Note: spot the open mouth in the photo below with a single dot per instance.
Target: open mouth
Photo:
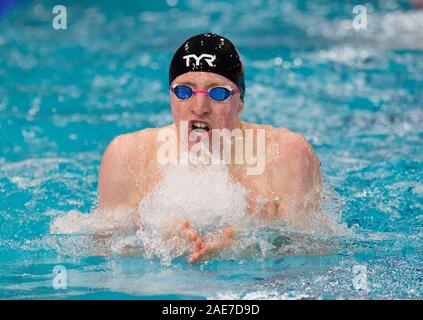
(200, 126)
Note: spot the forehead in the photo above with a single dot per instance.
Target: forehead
(203, 79)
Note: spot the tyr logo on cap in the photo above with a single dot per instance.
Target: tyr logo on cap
(207, 57)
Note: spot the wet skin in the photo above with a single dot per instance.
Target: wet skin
(291, 184)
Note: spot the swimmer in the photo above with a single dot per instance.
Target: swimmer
(207, 90)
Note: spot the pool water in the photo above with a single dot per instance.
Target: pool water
(356, 95)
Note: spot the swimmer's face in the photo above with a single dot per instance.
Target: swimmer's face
(200, 107)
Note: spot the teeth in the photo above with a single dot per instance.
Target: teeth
(200, 125)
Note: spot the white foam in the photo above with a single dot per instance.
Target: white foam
(204, 196)
(75, 222)
(210, 200)
(261, 295)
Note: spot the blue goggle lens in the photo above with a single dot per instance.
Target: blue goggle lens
(182, 92)
(219, 93)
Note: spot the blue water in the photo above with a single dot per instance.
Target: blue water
(356, 95)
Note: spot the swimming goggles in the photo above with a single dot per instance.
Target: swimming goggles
(220, 94)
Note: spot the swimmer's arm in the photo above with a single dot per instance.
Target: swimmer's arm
(115, 182)
(300, 187)
(120, 220)
(113, 178)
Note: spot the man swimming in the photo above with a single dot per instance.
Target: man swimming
(206, 79)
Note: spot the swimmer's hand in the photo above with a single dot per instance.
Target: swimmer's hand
(203, 248)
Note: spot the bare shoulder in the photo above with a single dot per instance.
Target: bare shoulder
(140, 137)
(293, 160)
(292, 148)
(126, 145)
(118, 182)
(283, 144)
(293, 171)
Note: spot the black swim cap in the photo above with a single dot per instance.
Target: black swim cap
(208, 52)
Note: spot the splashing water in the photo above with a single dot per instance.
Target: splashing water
(206, 197)
(355, 95)
(210, 200)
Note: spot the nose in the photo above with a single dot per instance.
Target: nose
(200, 105)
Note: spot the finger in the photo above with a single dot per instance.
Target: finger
(206, 248)
(191, 234)
(185, 224)
(194, 257)
(198, 244)
(200, 253)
